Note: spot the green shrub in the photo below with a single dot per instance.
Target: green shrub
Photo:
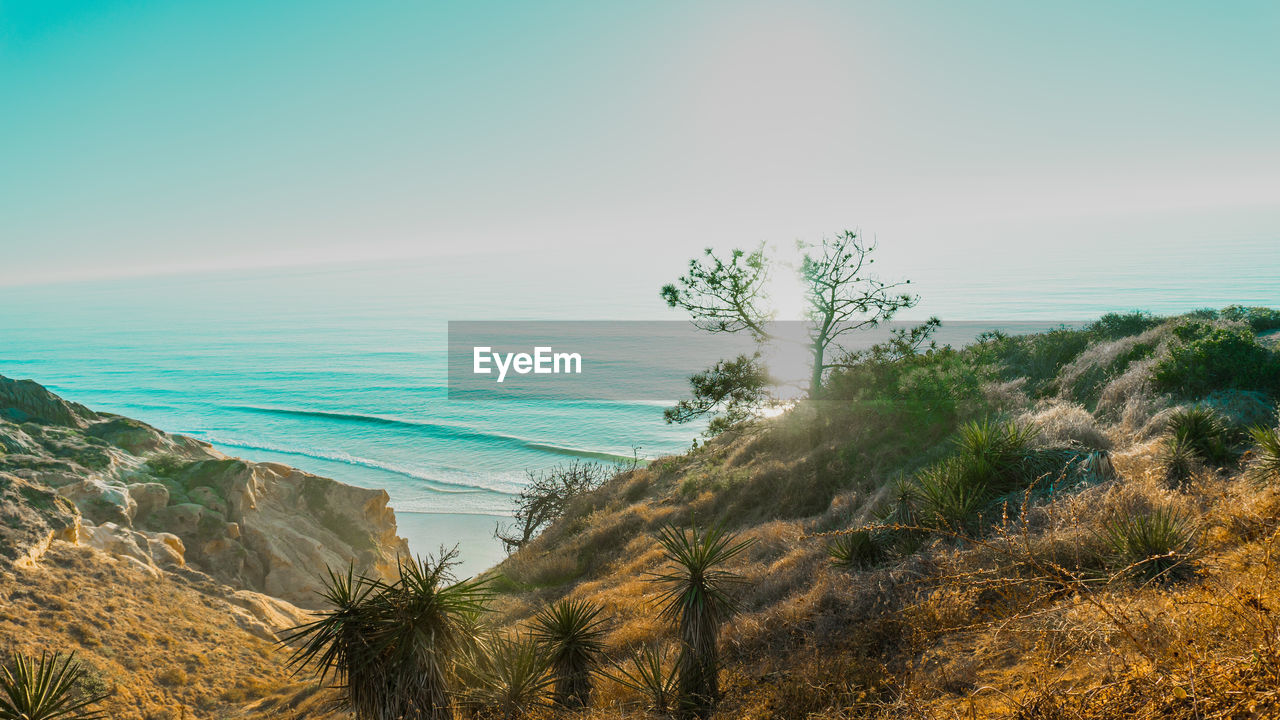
(1205, 358)
(1266, 465)
(165, 465)
(855, 550)
(1114, 326)
(1158, 546)
(1261, 319)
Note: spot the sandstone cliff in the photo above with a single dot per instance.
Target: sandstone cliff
(164, 502)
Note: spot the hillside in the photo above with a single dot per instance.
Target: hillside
(1073, 524)
(1033, 599)
(170, 569)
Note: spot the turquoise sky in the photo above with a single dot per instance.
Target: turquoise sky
(141, 137)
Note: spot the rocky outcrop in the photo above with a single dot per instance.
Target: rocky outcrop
(165, 501)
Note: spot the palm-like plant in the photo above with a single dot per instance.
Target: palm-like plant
(698, 601)
(509, 676)
(46, 689)
(573, 634)
(391, 646)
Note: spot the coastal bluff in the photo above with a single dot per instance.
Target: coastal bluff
(170, 504)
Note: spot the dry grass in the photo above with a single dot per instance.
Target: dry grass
(165, 649)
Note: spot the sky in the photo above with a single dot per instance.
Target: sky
(147, 137)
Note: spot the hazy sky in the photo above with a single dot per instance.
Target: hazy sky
(152, 136)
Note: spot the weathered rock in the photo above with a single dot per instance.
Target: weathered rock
(31, 517)
(147, 498)
(100, 501)
(130, 435)
(26, 400)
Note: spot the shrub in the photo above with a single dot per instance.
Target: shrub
(45, 689)
(855, 550)
(1157, 546)
(1114, 326)
(1261, 319)
(1206, 358)
(546, 497)
(1203, 432)
(1266, 466)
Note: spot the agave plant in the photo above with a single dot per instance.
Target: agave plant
(652, 675)
(1266, 465)
(509, 676)
(573, 634)
(46, 689)
(697, 600)
(390, 647)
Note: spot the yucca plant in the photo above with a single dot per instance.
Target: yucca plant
(1203, 432)
(509, 677)
(698, 601)
(1266, 464)
(1157, 546)
(855, 550)
(46, 689)
(649, 672)
(1179, 460)
(950, 497)
(572, 633)
(390, 647)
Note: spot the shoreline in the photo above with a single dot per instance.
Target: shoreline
(472, 533)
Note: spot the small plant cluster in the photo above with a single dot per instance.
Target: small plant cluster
(418, 648)
(1158, 546)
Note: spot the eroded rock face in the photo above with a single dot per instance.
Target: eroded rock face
(166, 501)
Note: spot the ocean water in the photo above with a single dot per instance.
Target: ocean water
(341, 371)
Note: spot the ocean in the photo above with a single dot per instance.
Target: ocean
(341, 371)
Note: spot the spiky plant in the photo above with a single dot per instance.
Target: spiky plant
(1203, 432)
(46, 689)
(950, 496)
(698, 601)
(649, 672)
(391, 646)
(1266, 464)
(336, 644)
(856, 550)
(572, 632)
(1157, 546)
(510, 677)
(1179, 460)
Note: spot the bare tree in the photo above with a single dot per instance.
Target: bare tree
(843, 296)
(546, 496)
